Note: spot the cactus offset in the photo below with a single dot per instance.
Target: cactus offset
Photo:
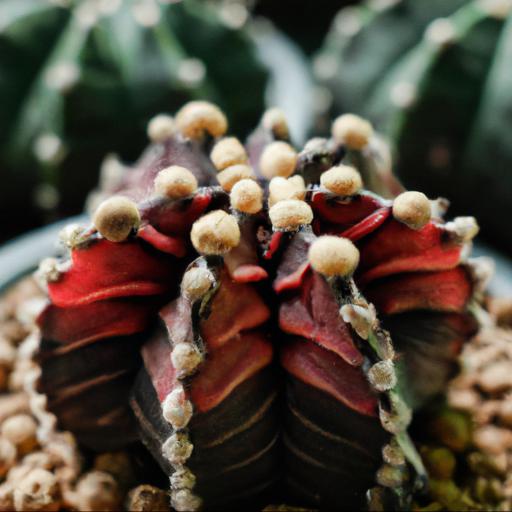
(262, 348)
(81, 78)
(433, 76)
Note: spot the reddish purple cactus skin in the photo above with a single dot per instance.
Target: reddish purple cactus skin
(263, 387)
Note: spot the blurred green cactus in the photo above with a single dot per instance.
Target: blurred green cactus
(81, 78)
(434, 75)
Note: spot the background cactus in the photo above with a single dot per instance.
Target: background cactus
(82, 78)
(228, 329)
(433, 76)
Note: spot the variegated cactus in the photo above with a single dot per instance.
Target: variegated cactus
(258, 317)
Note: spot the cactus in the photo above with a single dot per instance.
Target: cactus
(81, 78)
(258, 336)
(432, 76)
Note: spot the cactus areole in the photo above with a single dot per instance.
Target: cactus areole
(268, 341)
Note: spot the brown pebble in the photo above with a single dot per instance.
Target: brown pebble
(6, 497)
(492, 439)
(7, 455)
(119, 465)
(97, 491)
(148, 498)
(496, 377)
(39, 490)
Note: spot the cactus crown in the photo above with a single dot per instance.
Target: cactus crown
(290, 270)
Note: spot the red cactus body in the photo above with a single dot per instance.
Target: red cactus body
(259, 361)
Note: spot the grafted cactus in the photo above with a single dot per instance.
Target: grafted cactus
(433, 76)
(81, 78)
(250, 333)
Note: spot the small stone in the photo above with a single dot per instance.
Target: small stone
(496, 377)
(98, 491)
(7, 456)
(278, 159)
(352, 131)
(199, 117)
(21, 431)
(228, 152)
(333, 256)
(215, 233)
(147, 498)
(38, 490)
(492, 439)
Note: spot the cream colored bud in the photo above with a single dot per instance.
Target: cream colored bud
(228, 177)
(228, 152)
(215, 233)
(382, 375)
(198, 117)
(185, 358)
(352, 131)
(333, 256)
(183, 478)
(342, 180)
(116, 218)
(161, 128)
(281, 189)
(184, 501)
(290, 215)
(247, 197)
(196, 282)
(278, 159)
(97, 490)
(274, 120)
(176, 409)
(175, 182)
(412, 209)
(177, 449)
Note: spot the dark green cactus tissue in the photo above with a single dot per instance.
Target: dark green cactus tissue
(434, 75)
(82, 78)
